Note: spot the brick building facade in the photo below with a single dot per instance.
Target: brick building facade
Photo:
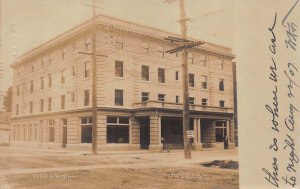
(139, 96)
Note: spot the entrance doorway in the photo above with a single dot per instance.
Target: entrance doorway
(144, 133)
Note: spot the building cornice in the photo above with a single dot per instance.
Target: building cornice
(88, 26)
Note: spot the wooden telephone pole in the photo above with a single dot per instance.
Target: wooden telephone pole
(186, 44)
(94, 85)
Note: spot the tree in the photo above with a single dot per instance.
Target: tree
(8, 99)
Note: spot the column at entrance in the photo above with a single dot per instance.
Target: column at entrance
(230, 133)
(155, 133)
(134, 131)
(197, 144)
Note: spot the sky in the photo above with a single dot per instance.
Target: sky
(27, 23)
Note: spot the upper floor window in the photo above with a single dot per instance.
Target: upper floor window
(63, 78)
(145, 96)
(145, 47)
(161, 97)
(42, 105)
(49, 80)
(119, 43)
(221, 85)
(145, 73)
(18, 90)
(88, 43)
(177, 99)
(161, 51)
(118, 68)
(42, 82)
(49, 104)
(190, 58)
(86, 97)
(17, 109)
(191, 80)
(62, 102)
(204, 82)
(72, 97)
(63, 53)
(43, 62)
(221, 64)
(204, 102)
(176, 75)
(222, 103)
(73, 71)
(118, 97)
(191, 100)
(161, 75)
(31, 107)
(31, 87)
(86, 69)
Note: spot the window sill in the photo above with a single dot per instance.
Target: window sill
(120, 78)
(145, 81)
(162, 84)
(193, 88)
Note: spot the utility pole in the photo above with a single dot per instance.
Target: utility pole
(94, 77)
(185, 45)
(186, 111)
(94, 84)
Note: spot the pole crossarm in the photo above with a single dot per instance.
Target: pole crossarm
(185, 46)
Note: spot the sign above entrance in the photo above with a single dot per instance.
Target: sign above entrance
(190, 134)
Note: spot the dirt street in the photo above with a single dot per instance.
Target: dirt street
(41, 168)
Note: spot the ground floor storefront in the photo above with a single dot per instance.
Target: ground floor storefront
(123, 130)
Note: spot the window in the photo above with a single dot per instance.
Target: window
(31, 107)
(221, 64)
(51, 124)
(86, 129)
(64, 122)
(145, 96)
(204, 82)
(49, 80)
(222, 103)
(42, 105)
(72, 97)
(118, 97)
(117, 129)
(145, 73)
(191, 80)
(62, 102)
(31, 87)
(118, 68)
(74, 47)
(63, 53)
(161, 75)
(18, 90)
(119, 43)
(177, 99)
(86, 97)
(63, 77)
(220, 131)
(86, 69)
(176, 75)
(19, 72)
(88, 43)
(17, 109)
(161, 51)
(190, 58)
(161, 97)
(145, 47)
(221, 85)
(191, 100)
(49, 104)
(42, 82)
(204, 102)
(73, 71)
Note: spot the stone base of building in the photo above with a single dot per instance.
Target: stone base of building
(197, 146)
(156, 148)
